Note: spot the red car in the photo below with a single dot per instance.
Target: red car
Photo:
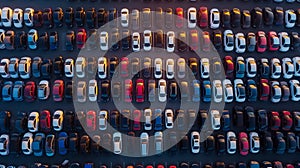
(58, 90)
(273, 41)
(261, 41)
(160, 166)
(172, 166)
(30, 91)
(45, 122)
(229, 66)
(91, 120)
(194, 40)
(179, 18)
(124, 67)
(81, 38)
(275, 121)
(140, 91)
(289, 166)
(205, 41)
(287, 121)
(264, 89)
(243, 143)
(128, 90)
(137, 120)
(203, 17)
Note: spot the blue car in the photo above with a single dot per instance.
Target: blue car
(62, 143)
(240, 67)
(158, 120)
(7, 91)
(252, 90)
(206, 91)
(53, 40)
(226, 120)
(196, 91)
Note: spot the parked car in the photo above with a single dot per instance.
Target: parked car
(26, 144)
(117, 140)
(33, 122)
(195, 142)
(243, 143)
(57, 120)
(231, 142)
(254, 142)
(295, 90)
(4, 145)
(43, 90)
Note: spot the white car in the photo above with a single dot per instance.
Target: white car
(284, 41)
(195, 142)
(93, 90)
(117, 142)
(80, 67)
(170, 41)
(170, 68)
(18, 18)
(239, 90)
(124, 17)
(169, 118)
(231, 142)
(43, 90)
(57, 120)
(6, 17)
(147, 40)
(4, 144)
(214, 18)
(28, 17)
(289, 18)
(102, 67)
(251, 67)
(254, 142)
(288, 69)
(228, 91)
(81, 91)
(136, 42)
(228, 40)
(144, 143)
(25, 67)
(296, 62)
(104, 41)
(4, 64)
(240, 43)
(162, 90)
(192, 17)
(32, 39)
(215, 118)
(148, 115)
(295, 90)
(275, 68)
(26, 145)
(276, 89)
(158, 65)
(217, 91)
(158, 142)
(2, 38)
(103, 120)
(33, 122)
(204, 68)
(69, 68)
(181, 68)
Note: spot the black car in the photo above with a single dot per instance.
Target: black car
(295, 40)
(246, 19)
(291, 142)
(115, 39)
(264, 68)
(238, 117)
(21, 122)
(46, 68)
(79, 120)
(125, 120)
(173, 140)
(280, 144)
(102, 17)
(256, 17)
(225, 120)
(48, 17)
(38, 18)
(69, 17)
(193, 64)
(131, 143)
(91, 65)
(278, 16)
(21, 40)
(9, 40)
(225, 17)
(113, 63)
(91, 18)
(93, 41)
(298, 18)
(169, 21)
(219, 165)
(181, 41)
(262, 120)
(107, 144)
(250, 118)
(15, 139)
(235, 17)
(210, 143)
(68, 123)
(44, 41)
(53, 40)
(159, 17)
(112, 17)
(266, 164)
(36, 67)
(241, 165)
(70, 40)
(69, 91)
(268, 16)
(58, 16)
(181, 120)
(95, 145)
(58, 66)
(4, 121)
(203, 117)
(217, 39)
(184, 143)
(85, 144)
(79, 16)
(221, 144)
(105, 91)
(73, 142)
(173, 91)
(126, 39)
(114, 119)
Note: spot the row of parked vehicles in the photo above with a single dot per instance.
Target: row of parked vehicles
(171, 41)
(147, 18)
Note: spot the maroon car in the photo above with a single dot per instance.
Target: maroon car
(205, 41)
(81, 38)
(286, 121)
(264, 89)
(243, 143)
(261, 43)
(45, 122)
(179, 18)
(91, 120)
(194, 40)
(275, 121)
(229, 66)
(140, 96)
(30, 91)
(58, 90)
(203, 17)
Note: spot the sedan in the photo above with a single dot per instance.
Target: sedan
(240, 43)
(81, 38)
(170, 41)
(231, 142)
(284, 41)
(261, 43)
(81, 91)
(117, 143)
(192, 17)
(147, 40)
(214, 18)
(295, 90)
(288, 68)
(228, 91)
(162, 93)
(264, 89)
(228, 40)
(33, 122)
(62, 142)
(204, 68)
(4, 144)
(273, 41)
(217, 91)
(239, 90)
(290, 18)
(275, 68)
(195, 142)
(243, 144)
(275, 92)
(32, 39)
(254, 142)
(251, 67)
(58, 90)
(26, 144)
(57, 120)
(43, 90)
(93, 90)
(169, 118)
(102, 67)
(215, 118)
(140, 91)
